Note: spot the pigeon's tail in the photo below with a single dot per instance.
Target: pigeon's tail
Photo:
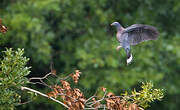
(129, 56)
(129, 60)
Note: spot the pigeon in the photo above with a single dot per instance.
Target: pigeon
(133, 35)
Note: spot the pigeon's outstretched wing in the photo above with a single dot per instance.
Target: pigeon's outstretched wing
(138, 33)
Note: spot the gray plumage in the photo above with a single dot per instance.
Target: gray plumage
(134, 35)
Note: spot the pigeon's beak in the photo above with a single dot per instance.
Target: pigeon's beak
(111, 24)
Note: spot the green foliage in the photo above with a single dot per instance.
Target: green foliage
(145, 96)
(12, 77)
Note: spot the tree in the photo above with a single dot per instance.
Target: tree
(12, 80)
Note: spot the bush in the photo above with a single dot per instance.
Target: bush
(12, 77)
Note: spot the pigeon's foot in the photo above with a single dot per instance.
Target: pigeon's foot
(129, 60)
(118, 47)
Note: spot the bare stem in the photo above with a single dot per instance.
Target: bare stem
(40, 77)
(42, 94)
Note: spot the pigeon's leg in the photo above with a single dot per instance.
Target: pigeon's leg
(129, 56)
(118, 47)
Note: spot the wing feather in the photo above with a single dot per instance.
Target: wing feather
(138, 33)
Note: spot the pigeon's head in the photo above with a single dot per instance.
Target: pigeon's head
(116, 24)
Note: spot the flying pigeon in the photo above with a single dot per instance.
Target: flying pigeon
(133, 35)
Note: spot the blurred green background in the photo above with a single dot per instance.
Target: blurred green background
(76, 34)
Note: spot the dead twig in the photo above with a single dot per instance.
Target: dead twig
(42, 94)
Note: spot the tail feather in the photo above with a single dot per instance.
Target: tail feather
(129, 60)
(129, 56)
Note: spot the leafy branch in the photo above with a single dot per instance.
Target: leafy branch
(74, 99)
(13, 70)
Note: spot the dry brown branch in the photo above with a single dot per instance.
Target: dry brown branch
(74, 99)
(44, 77)
(37, 92)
